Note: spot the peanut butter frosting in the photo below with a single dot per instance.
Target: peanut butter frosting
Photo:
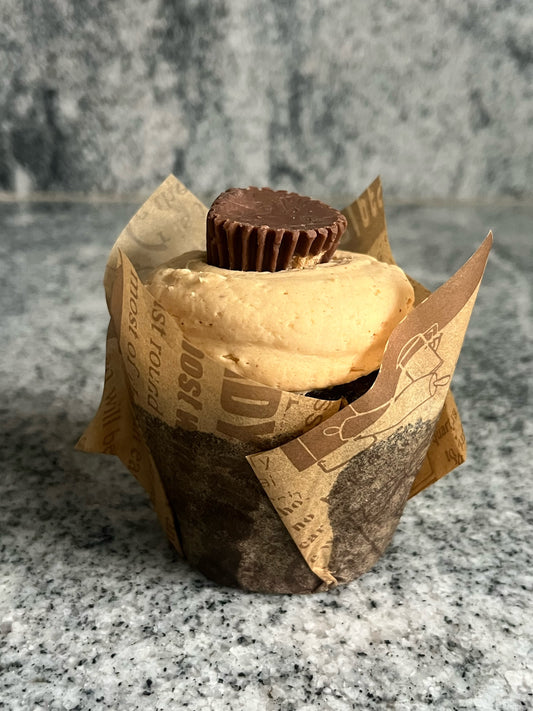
(295, 330)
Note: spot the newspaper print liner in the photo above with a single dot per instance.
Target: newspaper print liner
(344, 486)
(183, 426)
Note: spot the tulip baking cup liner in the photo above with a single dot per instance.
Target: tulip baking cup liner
(260, 488)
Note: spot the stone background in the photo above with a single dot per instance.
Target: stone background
(112, 95)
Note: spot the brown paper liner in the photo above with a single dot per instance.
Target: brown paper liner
(260, 488)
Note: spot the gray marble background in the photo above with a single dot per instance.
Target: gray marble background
(110, 96)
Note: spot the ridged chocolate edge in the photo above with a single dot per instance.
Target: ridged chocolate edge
(238, 246)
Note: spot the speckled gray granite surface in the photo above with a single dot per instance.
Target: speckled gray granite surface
(96, 611)
(112, 96)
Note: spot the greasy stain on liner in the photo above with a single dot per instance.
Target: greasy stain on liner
(364, 507)
(228, 527)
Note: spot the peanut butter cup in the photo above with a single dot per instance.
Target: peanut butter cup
(259, 229)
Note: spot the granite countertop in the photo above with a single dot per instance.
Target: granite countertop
(97, 611)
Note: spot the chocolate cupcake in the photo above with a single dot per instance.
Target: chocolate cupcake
(273, 302)
(227, 376)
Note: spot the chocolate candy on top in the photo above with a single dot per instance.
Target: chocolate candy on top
(259, 229)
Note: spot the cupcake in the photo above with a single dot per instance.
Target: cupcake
(277, 396)
(272, 301)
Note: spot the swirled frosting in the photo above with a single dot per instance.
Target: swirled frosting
(295, 329)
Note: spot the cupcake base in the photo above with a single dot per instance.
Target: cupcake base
(347, 391)
(227, 527)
